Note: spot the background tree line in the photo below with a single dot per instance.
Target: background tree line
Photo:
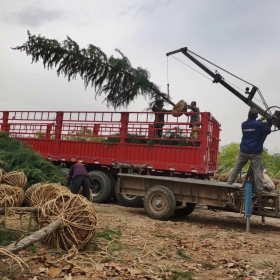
(229, 153)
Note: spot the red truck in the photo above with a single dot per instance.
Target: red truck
(119, 142)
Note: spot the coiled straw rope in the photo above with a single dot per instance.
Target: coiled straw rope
(10, 196)
(15, 178)
(46, 192)
(11, 265)
(78, 221)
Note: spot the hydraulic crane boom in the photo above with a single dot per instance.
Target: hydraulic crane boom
(275, 118)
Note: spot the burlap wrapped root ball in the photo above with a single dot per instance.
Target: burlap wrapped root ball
(15, 178)
(28, 193)
(11, 196)
(223, 177)
(46, 192)
(216, 176)
(179, 108)
(78, 221)
(275, 181)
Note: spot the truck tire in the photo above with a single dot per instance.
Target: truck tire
(65, 171)
(128, 200)
(113, 184)
(183, 212)
(160, 203)
(101, 186)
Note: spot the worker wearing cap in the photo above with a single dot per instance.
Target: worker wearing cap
(253, 134)
(159, 117)
(79, 177)
(195, 118)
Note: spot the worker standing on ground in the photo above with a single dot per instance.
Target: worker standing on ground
(159, 117)
(194, 117)
(253, 134)
(79, 177)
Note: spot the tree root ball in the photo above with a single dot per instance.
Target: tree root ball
(77, 217)
(28, 193)
(46, 192)
(15, 178)
(179, 108)
(11, 196)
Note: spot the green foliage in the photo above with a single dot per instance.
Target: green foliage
(181, 254)
(176, 275)
(114, 77)
(229, 154)
(33, 249)
(107, 234)
(40, 135)
(18, 156)
(7, 237)
(83, 134)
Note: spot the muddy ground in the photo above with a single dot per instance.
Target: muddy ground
(130, 245)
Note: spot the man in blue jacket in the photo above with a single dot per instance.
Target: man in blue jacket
(253, 135)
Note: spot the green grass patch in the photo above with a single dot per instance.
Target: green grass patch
(107, 234)
(176, 275)
(7, 237)
(33, 249)
(181, 254)
(207, 265)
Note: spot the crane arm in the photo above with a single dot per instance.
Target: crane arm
(275, 119)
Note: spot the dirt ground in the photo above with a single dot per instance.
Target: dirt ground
(130, 245)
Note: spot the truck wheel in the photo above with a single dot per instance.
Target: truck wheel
(113, 184)
(128, 200)
(160, 203)
(65, 171)
(183, 212)
(100, 185)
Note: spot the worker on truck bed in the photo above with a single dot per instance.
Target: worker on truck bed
(194, 117)
(159, 118)
(79, 177)
(253, 134)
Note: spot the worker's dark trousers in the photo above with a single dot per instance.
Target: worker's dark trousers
(83, 181)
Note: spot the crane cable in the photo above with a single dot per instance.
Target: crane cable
(258, 90)
(168, 94)
(260, 94)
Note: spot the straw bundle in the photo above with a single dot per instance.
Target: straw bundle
(179, 108)
(46, 192)
(195, 133)
(15, 178)
(275, 181)
(224, 177)
(28, 193)
(216, 176)
(10, 196)
(78, 221)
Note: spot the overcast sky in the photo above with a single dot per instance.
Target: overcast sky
(240, 36)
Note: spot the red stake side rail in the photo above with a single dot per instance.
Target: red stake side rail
(107, 138)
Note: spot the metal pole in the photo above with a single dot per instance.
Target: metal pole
(248, 203)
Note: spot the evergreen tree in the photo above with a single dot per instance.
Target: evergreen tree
(114, 77)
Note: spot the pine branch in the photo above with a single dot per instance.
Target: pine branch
(114, 77)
